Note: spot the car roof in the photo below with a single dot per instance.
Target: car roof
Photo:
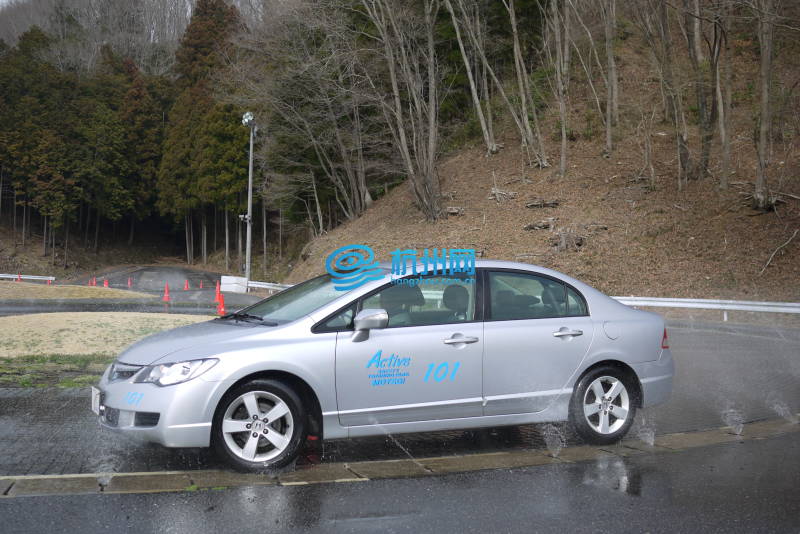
(481, 263)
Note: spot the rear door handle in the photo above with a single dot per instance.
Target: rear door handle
(565, 333)
(455, 340)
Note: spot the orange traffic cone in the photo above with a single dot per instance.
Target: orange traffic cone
(186, 285)
(221, 305)
(19, 277)
(48, 281)
(130, 282)
(165, 298)
(217, 294)
(105, 282)
(201, 284)
(94, 281)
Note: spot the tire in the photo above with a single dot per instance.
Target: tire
(595, 418)
(264, 443)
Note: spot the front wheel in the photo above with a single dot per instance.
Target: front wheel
(603, 405)
(259, 425)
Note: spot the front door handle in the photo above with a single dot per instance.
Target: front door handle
(455, 340)
(565, 333)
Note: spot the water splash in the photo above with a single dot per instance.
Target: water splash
(554, 439)
(782, 409)
(400, 446)
(733, 418)
(646, 430)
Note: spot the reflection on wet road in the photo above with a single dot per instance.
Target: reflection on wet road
(725, 375)
(707, 489)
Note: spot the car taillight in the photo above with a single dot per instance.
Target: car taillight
(665, 340)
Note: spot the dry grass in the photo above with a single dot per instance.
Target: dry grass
(28, 290)
(98, 333)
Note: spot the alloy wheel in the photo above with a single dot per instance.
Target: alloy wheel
(257, 426)
(606, 405)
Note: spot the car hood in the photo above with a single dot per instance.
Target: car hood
(158, 346)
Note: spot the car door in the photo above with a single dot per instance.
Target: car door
(537, 331)
(425, 365)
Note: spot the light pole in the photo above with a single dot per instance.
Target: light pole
(249, 120)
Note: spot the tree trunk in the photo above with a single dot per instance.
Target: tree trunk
(761, 197)
(611, 76)
(705, 114)
(186, 238)
(227, 241)
(96, 230)
(130, 235)
(264, 237)
(239, 245)
(53, 244)
(491, 145)
(1, 192)
(205, 236)
(14, 208)
(724, 95)
(44, 236)
(280, 233)
(24, 220)
(560, 27)
(316, 203)
(66, 240)
(88, 225)
(697, 31)
(216, 211)
(533, 141)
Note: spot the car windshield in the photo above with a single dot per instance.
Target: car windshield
(297, 301)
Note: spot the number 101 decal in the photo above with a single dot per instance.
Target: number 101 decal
(442, 371)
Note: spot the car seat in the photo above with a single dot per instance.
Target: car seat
(456, 299)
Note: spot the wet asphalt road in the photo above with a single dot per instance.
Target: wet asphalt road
(736, 487)
(725, 374)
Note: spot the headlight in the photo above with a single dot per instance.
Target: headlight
(169, 374)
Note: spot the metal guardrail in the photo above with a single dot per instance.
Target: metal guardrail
(267, 285)
(27, 277)
(710, 304)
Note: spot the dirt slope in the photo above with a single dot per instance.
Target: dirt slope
(636, 241)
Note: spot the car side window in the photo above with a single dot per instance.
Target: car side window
(436, 300)
(576, 305)
(341, 321)
(515, 296)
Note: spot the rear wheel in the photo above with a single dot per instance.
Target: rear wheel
(603, 405)
(259, 425)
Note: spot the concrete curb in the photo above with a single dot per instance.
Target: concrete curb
(172, 481)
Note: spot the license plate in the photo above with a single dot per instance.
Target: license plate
(96, 398)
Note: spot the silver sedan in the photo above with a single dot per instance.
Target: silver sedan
(509, 344)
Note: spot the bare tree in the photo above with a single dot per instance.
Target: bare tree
(766, 15)
(317, 93)
(558, 24)
(609, 13)
(408, 53)
(488, 135)
(652, 18)
(724, 88)
(522, 111)
(704, 87)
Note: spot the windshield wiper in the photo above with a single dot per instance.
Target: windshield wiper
(244, 316)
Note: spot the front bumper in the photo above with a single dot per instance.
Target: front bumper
(174, 416)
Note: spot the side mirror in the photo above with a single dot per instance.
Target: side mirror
(366, 320)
